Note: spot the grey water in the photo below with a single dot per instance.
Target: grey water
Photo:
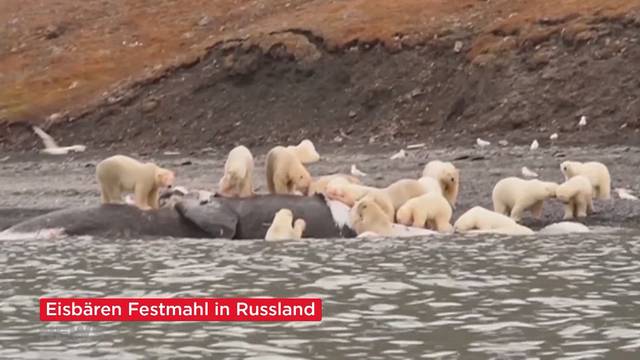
(564, 297)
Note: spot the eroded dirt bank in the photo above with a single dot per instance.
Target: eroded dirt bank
(513, 82)
(33, 185)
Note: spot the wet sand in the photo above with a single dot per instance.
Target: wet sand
(35, 183)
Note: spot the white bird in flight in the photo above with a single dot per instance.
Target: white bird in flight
(534, 145)
(52, 148)
(553, 136)
(482, 143)
(528, 173)
(356, 172)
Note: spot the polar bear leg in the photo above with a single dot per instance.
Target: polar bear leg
(517, 211)
(154, 199)
(501, 208)
(568, 210)
(142, 195)
(281, 185)
(419, 218)
(580, 207)
(442, 224)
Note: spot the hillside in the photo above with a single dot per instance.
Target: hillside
(191, 74)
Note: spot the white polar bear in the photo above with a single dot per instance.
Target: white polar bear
(430, 210)
(402, 190)
(305, 151)
(596, 172)
(431, 185)
(577, 195)
(448, 176)
(238, 174)
(368, 220)
(481, 220)
(284, 228)
(512, 196)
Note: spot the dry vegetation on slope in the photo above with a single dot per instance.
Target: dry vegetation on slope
(83, 59)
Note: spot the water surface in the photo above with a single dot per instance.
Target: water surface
(569, 297)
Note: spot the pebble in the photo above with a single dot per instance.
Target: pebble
(149, 105)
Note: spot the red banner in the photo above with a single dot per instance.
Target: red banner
(189, 309)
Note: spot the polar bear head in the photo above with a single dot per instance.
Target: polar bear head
(570, 169)
(164, 178)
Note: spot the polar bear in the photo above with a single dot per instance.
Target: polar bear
(431, 185)
(430, 210)
(481, 220)
(319, 185)
(596, 172)
(448, 176)
(349, 194)
(120, 173)
(512, 196)
(285, 172)
(577, 196)
(305, 151)
(238, 174)
(367, 217)
(402, 190)
(281, 228)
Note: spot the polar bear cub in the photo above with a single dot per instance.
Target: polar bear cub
(596, 172)
(481, 220)
(238, 174)
(430, 210)
(512, 196)
(119, 173)
(577, 196)
(305, 151)
(448, 176)
(281, 228)
(285, 172)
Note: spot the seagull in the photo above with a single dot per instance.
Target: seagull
(482, 143)
(534, 145)
(399, 155)
(625, 194)
(528, 173)
(553, 136)
(356, 172)
(52, 148)
(583, 121)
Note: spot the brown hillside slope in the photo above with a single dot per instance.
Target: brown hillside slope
(66, 56)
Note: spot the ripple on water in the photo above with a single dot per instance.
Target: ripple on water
(445, 298)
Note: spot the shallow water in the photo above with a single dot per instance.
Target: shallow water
(569, 297)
